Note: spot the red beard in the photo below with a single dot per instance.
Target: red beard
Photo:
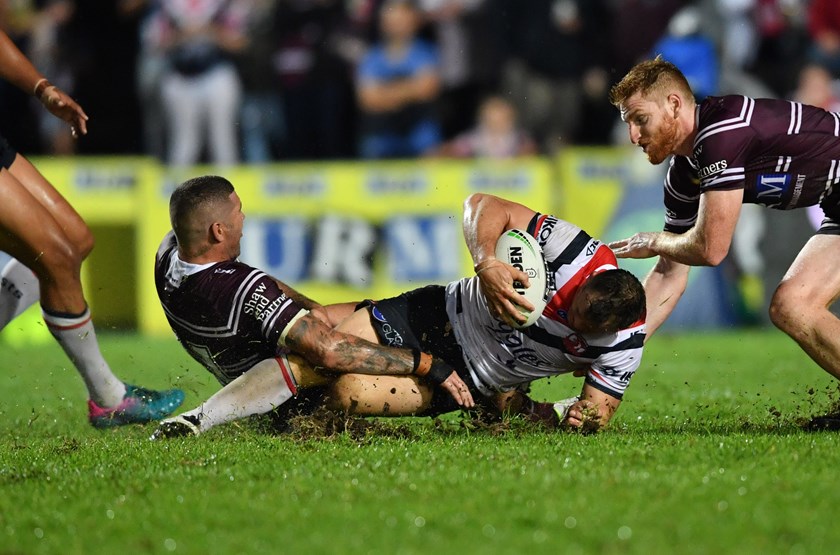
(658, 149)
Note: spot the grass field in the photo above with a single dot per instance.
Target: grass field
(705, 456)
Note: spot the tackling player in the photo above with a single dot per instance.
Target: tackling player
(727, 151)
(234, 318)
(593, 325)
(43, 233)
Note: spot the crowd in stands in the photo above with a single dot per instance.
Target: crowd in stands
(228, 81)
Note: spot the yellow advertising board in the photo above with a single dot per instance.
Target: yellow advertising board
(337, 232)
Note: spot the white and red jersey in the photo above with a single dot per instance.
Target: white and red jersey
(501, 358)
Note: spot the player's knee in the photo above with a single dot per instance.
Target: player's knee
(59, 261)
(84, 242)
(788, 309)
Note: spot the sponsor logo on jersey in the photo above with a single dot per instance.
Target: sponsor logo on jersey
(592, 247)
(391, 336)
(375, 312)
(769, 188)
(575, 344)
(545, 230)
(224, 271)
(698, 151)
(259, 305)
(712, 169)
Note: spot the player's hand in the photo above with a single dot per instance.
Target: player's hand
(441, 374)
(638, 246)
(62, 106)
(496, 282)
(459, 390)
(583, 416)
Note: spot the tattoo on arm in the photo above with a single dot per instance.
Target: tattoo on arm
(341, 352)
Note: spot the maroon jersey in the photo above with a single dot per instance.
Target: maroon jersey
(227, 315)
(782, 154)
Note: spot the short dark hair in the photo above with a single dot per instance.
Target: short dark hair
(617, 299)
(193, 195)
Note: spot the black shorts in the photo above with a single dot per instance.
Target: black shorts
(7, 153)
(418, 320)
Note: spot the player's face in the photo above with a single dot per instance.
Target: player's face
(651, 126)
(233, 224)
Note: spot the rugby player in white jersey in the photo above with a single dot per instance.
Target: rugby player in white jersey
(726, 151)
(593, 325)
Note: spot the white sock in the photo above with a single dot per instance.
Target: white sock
(19, 289)
(77, 337)
(266, 386)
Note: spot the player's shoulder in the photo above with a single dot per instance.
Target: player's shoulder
(714, 109)
(546, 229)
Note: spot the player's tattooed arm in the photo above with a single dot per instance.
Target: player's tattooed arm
(340, 352)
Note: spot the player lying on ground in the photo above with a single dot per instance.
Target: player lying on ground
(230, 316)
(593, 324)
(727, 151)
(44, 235)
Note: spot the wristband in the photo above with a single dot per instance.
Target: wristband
(422, 363)
(439, 371)
(42, 85)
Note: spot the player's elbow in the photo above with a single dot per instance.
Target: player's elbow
(713, 254)
(715, 257)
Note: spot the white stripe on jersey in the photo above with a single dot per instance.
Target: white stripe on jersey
(742, 120)
(836, 123)
(727, 175)
(232, 324)
(795, 118)
(784, 163)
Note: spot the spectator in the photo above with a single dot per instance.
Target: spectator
(261, 122)
(315, 70)
(496, 135)
(397, 83)
(200, 85)
(824, 27)
(691, 51)
(817, 88)
(151, 63)
(467, 36)
(549, 51)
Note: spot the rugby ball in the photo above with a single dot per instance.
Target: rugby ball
(519, 249)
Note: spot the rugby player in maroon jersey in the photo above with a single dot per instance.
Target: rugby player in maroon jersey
(726, 151)
(233, 318)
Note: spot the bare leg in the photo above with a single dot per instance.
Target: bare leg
(54, 249)
(800, 305)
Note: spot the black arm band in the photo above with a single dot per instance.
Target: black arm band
(439, 371)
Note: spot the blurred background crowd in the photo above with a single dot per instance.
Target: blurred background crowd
(228, 81)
